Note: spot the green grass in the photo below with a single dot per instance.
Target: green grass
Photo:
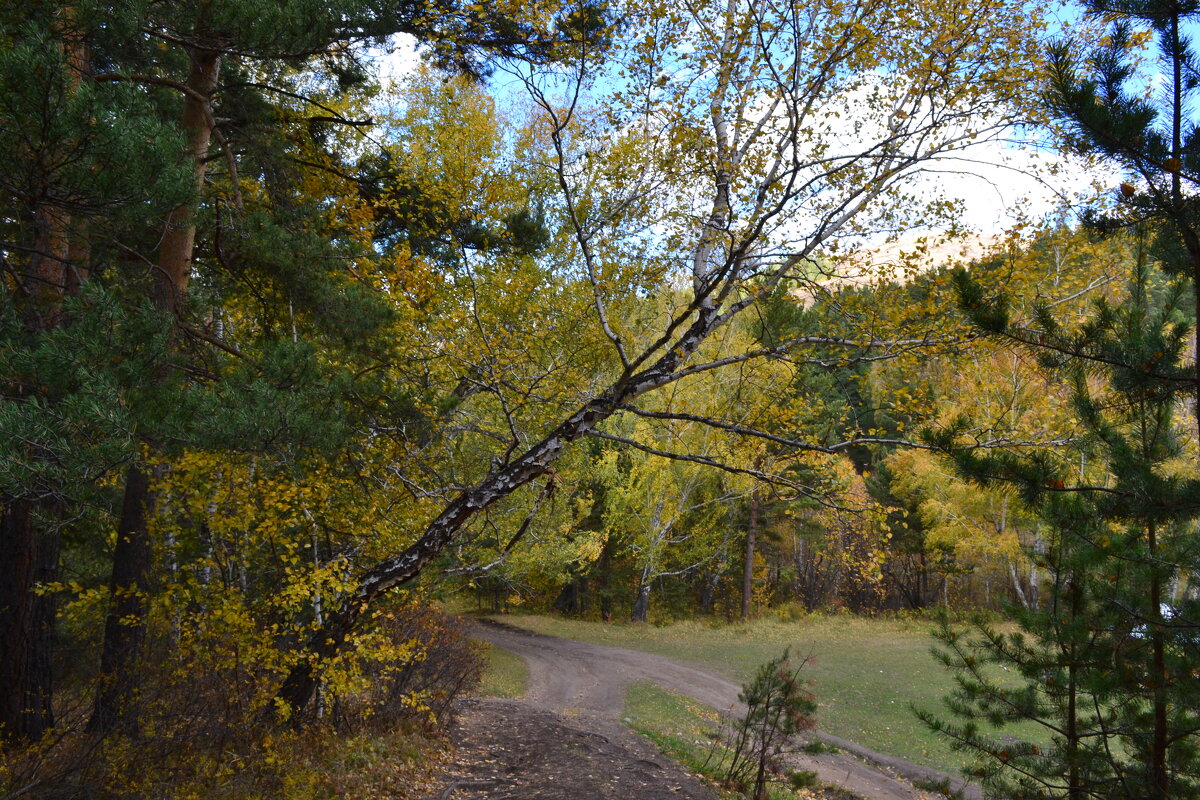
(677, 725)
(865, 672)
(682, 729)
(504, 674)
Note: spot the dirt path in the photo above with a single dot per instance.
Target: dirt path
(511, 750)
(584, 684)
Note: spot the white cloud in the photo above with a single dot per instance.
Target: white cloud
(998, 183)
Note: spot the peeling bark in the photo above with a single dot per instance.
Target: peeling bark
(641, 604)
(299, 686)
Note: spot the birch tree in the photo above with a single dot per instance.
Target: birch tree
(717, 151)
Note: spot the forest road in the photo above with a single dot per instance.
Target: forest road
(584, 684)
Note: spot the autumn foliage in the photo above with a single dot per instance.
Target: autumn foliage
(588, 310)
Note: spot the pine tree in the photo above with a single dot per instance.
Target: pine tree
(1106, 665)
(1102, 98)
(161, 173)
(84, 157)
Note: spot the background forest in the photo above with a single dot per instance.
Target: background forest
(634, 311)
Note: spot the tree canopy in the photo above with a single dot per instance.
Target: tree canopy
(584, 303)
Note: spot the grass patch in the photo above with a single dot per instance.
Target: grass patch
(683, 729)
(866, 672)
(677, 725)
(817, 746)
(504, 674)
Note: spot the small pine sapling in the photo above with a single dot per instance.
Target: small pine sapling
(777, 706)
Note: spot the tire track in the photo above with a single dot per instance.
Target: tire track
(580, 679)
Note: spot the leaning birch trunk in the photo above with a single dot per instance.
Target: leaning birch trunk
(766, 156)
(299, 685)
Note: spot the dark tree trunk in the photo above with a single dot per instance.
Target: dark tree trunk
(641, 604)
(712, 579)
(124, 626)
(1160, 676)
(28, 557)
(604, 580)
(573, 598)
(124, 629)
(1072, 742)
(923, 581)
(708, 591)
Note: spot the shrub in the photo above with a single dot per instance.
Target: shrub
(777, 706)
(203, 732)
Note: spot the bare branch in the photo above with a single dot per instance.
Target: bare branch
(708, 461)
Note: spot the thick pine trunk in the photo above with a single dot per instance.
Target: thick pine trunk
(125, 627)
(47, 279)
(179, 237)
(28, 557)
